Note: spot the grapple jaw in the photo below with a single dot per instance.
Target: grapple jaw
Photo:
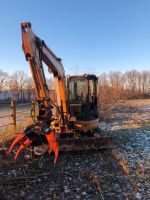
(53, 145)
(25, 142)
(36, 139)
(16, 140)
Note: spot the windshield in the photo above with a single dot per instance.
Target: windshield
(78, 90)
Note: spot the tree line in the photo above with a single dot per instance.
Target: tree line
(113, 86)
(132, 84)
(17, 84)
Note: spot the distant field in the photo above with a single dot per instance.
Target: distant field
(6, 107)
(138, 102)
(22, 110)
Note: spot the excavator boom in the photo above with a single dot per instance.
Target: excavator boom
(36, 51)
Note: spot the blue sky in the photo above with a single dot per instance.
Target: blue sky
(91, 36)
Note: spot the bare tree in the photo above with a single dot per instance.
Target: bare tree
(21, 79)
(116, 84)
(13, 85)
(3, 80)
(29, 88)
(145, 79)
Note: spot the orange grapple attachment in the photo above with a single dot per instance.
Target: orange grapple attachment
(53, 145)
(17, 139)
(24, 144)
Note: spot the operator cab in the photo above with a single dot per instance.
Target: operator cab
(82, 97)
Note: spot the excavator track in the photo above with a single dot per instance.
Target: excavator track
(80, 144)
(84, 143)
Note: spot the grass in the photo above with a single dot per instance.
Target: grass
(23, 119)
(9, 132)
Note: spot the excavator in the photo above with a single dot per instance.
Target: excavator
(70, 123)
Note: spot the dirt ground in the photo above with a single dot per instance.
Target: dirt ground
(121, 173)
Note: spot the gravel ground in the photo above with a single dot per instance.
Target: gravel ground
(119, 173)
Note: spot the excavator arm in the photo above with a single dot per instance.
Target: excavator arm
(36, 52)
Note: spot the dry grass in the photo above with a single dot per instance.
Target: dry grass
(8, 133)
(142, 102)
(122, 161)
(23, 119)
